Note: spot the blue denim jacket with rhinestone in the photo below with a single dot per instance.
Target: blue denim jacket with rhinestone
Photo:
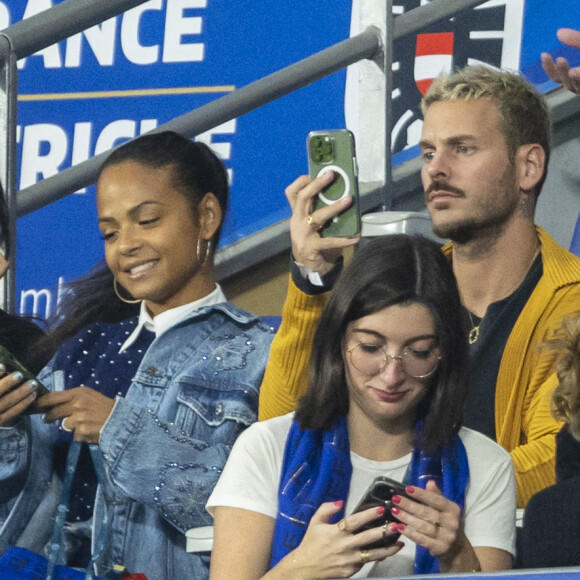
(164, 445)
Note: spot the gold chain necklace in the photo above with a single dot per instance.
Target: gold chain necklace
(473, 335)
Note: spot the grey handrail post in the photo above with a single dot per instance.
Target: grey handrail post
(8, 111)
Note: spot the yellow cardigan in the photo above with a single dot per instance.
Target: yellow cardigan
(526, 379)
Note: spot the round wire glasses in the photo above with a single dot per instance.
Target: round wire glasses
(371, 359)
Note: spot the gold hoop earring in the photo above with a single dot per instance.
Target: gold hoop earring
(125, 300)
(207, 251)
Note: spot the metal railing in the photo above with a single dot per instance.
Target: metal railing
(72, 16)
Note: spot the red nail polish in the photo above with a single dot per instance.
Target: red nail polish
(395, 511)
(338, 503)
(410, 489)
(400, 527)
(381, 510)
(396, 499)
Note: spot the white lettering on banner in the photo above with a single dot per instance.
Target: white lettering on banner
(61, 291)
(132, 48)
(147, 125)
(177, 26)
(39, 302)
(4, 17)
(102, 39)
(81, 145)
(45, 147)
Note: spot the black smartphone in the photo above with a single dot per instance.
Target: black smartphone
(380, 493)
(12, 365)
(335, 151)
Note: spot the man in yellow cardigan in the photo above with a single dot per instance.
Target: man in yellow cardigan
(485, 147)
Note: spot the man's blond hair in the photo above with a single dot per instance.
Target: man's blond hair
(523, 115)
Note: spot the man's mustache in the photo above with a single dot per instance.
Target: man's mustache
(443, 186)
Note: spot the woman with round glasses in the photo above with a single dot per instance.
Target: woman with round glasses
(388, 378)
(371, 359)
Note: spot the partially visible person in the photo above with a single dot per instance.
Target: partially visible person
(18, 334)
(387, 382)
(559, 70)
(163, 394)
(551, 528)
(485, 147)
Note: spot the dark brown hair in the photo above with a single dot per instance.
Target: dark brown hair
(396, 269)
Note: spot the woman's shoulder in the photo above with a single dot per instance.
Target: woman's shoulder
(272, 432)
(98, 334)
(482, 448)
(243, 318)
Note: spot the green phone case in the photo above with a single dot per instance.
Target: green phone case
(335, 151)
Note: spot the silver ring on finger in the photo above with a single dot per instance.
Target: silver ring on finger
(64, 427)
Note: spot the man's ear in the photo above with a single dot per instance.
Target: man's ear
(530, 162)
(209, 216)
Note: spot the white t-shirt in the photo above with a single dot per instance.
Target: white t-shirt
(251, 477)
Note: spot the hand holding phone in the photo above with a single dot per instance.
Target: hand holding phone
(12, 364)
(380, 493)
(334, 151)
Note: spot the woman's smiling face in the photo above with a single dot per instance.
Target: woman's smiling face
(150, 233)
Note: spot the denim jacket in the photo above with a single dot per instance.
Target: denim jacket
(164, 444)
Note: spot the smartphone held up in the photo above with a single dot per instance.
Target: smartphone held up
(335, 151)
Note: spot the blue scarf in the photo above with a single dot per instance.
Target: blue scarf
(317, 469)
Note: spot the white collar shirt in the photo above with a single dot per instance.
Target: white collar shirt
(164, 321)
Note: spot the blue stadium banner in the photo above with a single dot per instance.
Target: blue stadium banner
(167, 57)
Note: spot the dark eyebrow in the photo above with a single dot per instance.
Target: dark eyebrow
(409, 341)
(132, 212)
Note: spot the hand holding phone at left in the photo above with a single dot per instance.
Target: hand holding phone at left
(16, 395)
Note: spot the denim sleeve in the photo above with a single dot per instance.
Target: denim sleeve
(24, 457)
(13, 463)
(14, 454)
(155, 464)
